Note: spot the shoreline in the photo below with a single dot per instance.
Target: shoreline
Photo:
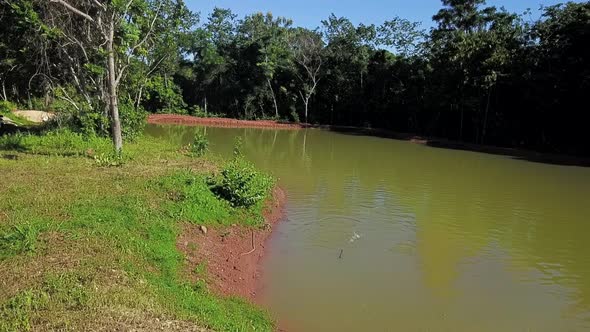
(444, 143)
(231, 255)
(188, 120)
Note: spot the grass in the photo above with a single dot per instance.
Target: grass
(84, 246)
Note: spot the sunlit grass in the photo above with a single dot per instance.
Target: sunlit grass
(84, 246)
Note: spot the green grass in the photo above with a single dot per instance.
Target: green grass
(84, 246)
(62, 143)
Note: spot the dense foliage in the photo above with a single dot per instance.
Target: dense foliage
(241, 184)
(481, 75)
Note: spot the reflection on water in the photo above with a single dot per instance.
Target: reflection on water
(384, 235)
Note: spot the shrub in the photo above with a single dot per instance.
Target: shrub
(132, 121)
(6, 107)
(162, 95)
(200, 145)
(241, 184)
(12, 142)
(238, 144)
(198, 111)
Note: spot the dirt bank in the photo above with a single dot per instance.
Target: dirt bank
(231, 255)
(220, 122)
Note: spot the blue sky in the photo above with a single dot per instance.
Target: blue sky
(309, 13)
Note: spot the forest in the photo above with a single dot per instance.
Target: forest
(481, 75)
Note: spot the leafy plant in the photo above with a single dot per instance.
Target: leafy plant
(133, 121)
(295, 116)
(238, 144)
(6, 107)
(112, 159)
(200, 145)
(198, 111)
(241, 184)
(12, 142)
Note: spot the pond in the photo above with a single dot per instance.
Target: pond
(386, 235)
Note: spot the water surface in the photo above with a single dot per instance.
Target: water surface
(386, 235)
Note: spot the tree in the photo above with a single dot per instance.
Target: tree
(101, 39)
(306, 46)
(270, 36)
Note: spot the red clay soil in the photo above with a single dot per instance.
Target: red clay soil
(219, 122)
(232, 255)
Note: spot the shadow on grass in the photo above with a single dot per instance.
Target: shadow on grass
(9, 156)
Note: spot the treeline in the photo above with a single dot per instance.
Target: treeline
(481, 75)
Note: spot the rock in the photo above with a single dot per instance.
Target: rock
(4, 120)
(203, 229)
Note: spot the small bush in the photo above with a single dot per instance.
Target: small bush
(241, 184)
(12, 142)
(200, 145)
(198, 111)
(6, 107)
(295, 116)
(133, 121)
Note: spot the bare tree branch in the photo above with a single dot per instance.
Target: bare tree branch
(74, 10)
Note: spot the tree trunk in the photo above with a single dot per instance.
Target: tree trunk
(306, 108)
(332, 114)
(113, 98)
(138, 99)
(485, 119)
(4, 92)
(274, 98)
(461, 128)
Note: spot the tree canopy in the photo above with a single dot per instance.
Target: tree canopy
(481, 75)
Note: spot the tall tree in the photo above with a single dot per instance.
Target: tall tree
(270, 36)
(101, 37)
(307, 46)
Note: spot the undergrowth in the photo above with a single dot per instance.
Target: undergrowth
(58, 143)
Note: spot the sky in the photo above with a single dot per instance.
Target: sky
(309, 13)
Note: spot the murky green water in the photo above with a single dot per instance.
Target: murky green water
(385, 235)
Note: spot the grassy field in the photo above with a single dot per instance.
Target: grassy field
(87, 239)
